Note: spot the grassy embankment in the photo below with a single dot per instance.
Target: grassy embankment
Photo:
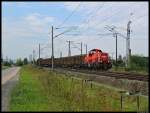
(124, 69)
(40, 90)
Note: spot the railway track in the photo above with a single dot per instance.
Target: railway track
(117, 75)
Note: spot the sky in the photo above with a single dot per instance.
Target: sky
(26, 24)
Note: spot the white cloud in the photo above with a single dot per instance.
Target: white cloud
(38, 20)
(48, 19)
(25, 33)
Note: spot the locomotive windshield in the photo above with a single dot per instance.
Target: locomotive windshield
(94, 50)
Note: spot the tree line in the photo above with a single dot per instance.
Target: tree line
(19, 62)
(137, 62)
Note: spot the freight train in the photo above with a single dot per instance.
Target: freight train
(95, 59)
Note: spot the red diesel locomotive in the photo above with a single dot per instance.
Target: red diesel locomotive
(97, 59)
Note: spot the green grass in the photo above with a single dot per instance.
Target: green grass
(124, 69)
(40, 90)
(27, 95)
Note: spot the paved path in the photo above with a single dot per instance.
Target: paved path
(9, 79)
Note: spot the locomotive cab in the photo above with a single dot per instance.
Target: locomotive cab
(97, 59)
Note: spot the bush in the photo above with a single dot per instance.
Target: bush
(6, 63)
(25, 61)
(19, 62)
(139, 63)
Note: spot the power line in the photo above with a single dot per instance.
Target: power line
(90, 15)
(139, 17)
(63, 32)
(70, 14)
(75, 46)
(105, 9)
(98, 9)
(138, 20)
(107, 18)
(94, 14)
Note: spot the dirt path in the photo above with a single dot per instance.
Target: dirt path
(9, 79)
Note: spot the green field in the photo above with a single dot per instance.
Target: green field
(41, 90)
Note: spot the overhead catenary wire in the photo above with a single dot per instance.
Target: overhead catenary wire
(65, 20)
(89, 15)
(105, 9)
(107, 18)
(98, 9)
(63, 33)
(92, 14)
(138, 20)
(75, 46)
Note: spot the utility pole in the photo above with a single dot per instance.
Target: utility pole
(60, 54)
(69, 49)
(128, 50)
(30, 58)
(39, 54)
(86, 48)
(33, 55)
(39, 51)
(69, 53)
(52, 51)
(81, 48)
(53, 44)
(7, 58)
(2, 57)
(116, 48)
(115, 35)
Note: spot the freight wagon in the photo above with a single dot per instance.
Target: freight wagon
(72, 61)
(94, 59)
